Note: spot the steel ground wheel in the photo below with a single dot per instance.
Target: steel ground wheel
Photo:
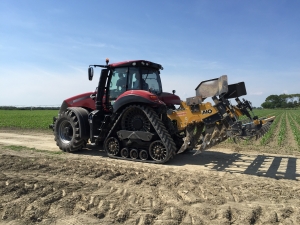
(143, 155)
(157, 151)
(134, 154)
(112, 146)
(134, 119)
(125, 152)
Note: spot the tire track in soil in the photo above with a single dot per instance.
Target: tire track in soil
(59, 190)
(298, 126)
(290, 143)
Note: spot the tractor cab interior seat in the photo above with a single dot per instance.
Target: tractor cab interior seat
(145, 85)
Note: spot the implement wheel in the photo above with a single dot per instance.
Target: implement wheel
(66, 132)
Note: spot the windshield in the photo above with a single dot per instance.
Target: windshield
(152, 79)
(134, 78)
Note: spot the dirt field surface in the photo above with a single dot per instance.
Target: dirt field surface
(225, 185)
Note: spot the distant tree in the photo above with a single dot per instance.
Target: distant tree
(267, 105)
(281, 101)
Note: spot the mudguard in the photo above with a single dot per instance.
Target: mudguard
(136, 98)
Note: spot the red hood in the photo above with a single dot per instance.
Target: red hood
(170, 99)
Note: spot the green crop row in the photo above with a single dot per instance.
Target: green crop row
(267, 112)
(295, 131)
(27, 119)
(295, 126)
(268, 135)
(282, 131)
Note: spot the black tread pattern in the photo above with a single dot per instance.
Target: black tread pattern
(77, 143)
(159, 128)
(162, 132)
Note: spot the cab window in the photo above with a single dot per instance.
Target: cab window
(152, 80)
(118, 82)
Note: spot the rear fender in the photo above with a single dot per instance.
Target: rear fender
(123, 101)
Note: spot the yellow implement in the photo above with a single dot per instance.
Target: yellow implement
(204, 125)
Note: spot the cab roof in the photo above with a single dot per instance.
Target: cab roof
(136, 63)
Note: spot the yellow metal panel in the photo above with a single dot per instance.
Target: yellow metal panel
(186, 116)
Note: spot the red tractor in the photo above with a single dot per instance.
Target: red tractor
(124, 112)
(135, 120)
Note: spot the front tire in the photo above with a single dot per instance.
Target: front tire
(66, 132)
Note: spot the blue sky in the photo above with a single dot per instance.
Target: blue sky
(46, 46)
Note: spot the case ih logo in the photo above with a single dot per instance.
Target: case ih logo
(207, 111)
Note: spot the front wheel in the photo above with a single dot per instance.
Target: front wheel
(66, 132)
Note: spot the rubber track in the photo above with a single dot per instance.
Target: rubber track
(160, 130)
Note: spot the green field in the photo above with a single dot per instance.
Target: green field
(284, 131)
(283, 135)
(27, 119)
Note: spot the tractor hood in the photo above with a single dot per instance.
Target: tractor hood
(169, 99)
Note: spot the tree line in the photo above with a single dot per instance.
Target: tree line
(282, 101)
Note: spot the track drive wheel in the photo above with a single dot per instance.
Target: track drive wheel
(66, 132)
(134, 119)
(112, 146)
(157, 151)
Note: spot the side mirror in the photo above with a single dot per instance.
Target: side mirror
(91, 73)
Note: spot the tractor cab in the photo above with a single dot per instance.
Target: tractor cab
(124, 78)
(127, 79)
(133, 78)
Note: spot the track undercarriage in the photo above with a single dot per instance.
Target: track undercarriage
(139, 135)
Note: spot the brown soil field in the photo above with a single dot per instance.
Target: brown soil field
(229, 184)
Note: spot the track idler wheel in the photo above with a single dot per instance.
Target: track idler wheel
(134, 154)
(157, 151)
(124, 152)
(143, 155)
(112, 146)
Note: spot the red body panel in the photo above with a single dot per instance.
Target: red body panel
(82, 100)
(170, 99)
(124, 63)
(142, 93)
(136, 92)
